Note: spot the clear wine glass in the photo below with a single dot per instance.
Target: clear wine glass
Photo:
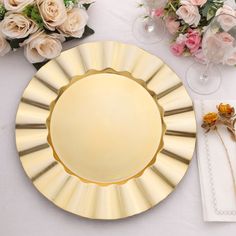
(148, 28)
(218, 47)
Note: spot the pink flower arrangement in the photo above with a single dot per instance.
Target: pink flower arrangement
(191, 42)
(186, 21)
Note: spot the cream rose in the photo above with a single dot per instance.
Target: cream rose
(53, 12)
(74, 25)
(198, 2)
(189, 13)
(226, 17)
(4, 46)
(41, 46)
(16, 5)
(18, 26)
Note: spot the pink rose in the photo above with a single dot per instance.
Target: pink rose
(226, 38)
(198, 2)
(177, 48)
(172, 25)
(193, 40)
(159, 12)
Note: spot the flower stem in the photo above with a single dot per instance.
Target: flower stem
(228, 159)
(205, 75)
(171, 5)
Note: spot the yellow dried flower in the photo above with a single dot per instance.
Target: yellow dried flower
(226, 110)
(210, 118)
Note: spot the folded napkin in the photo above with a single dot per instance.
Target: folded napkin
(216, 182)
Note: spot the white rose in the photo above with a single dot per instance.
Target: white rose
(226, 17)
(74, 25)
(53, 12)
(16, 5)
(18, 26)
(181, 38)
(4, 46)
(41, 46)
(189, 13)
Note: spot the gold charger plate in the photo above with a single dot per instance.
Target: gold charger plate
(106, 130)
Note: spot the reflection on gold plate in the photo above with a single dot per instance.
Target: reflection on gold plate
(106, 130)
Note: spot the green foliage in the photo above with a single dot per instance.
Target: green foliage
(33, 13)
(183, 28)
(15, 43)
(87, 5)
(2, 11)
(70, 3)
(209, 9)
(171, 7)
(232, 31)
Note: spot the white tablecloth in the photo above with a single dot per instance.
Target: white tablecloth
(23, 211)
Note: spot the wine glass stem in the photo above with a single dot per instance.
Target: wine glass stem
(149, 25)
(205, 74)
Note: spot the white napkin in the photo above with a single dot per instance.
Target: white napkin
(217, 189)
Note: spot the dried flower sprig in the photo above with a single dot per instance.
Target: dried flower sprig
(210, 121)
(227, 117)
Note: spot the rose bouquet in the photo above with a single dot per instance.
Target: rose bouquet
(187, 21)
(41, 26)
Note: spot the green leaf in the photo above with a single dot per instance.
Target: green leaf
(70, 3)
(87, 5)
(210, 14)
(87, 32)
(15, 43)
(210, 8)
(232, 31)
(2, 11)
(205, 10)
(33, 13)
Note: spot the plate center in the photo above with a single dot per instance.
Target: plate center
(105, 128)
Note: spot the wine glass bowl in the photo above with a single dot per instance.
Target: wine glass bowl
(148, 28)
(218, 47)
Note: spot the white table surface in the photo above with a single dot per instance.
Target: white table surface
(23, 211)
